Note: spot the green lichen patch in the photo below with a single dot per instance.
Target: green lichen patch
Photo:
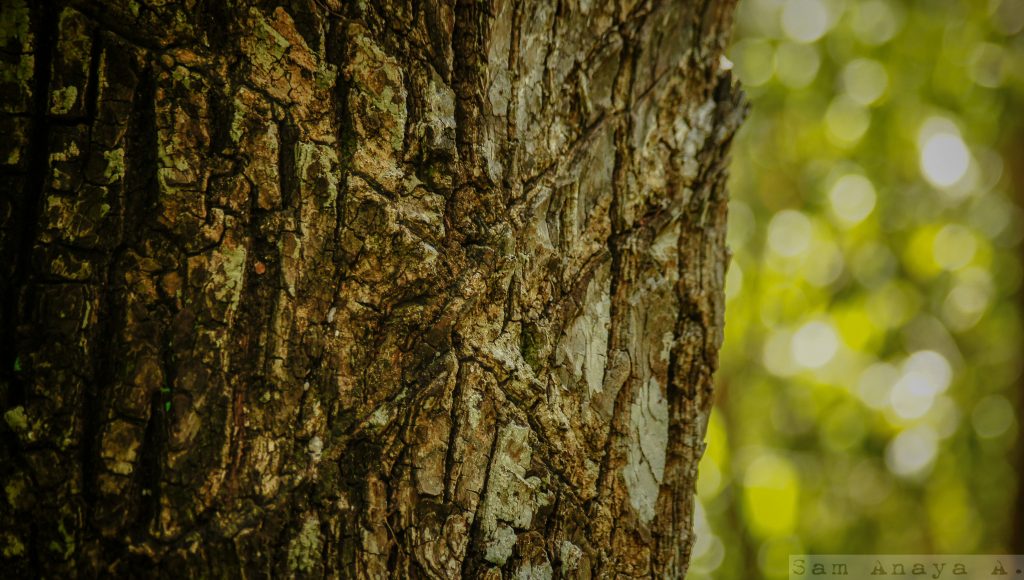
(16, 80)
(183, 147)
(533, 346)
(70, 66)
(219, 274)
(66, 547)
(69, 267)
(63, 100)
(304, 549)
(377, 101)
(79, 220)
(16, 419)
(232, 273)
(15, 491)
(115, 164)
(14, 22)
(71, 153)
(282, 65)
(14, 147)
(273, 45)
(12, 546)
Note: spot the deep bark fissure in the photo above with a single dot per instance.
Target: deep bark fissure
(27, 206)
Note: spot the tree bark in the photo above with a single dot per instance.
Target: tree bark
(363, 289)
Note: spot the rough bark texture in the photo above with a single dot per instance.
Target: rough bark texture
(414, 288)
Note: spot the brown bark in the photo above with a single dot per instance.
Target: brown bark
(408, 288)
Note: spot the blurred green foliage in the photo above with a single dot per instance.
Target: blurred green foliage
(869, 389)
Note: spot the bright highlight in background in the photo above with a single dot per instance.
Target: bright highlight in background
(804, 20)
(912, 452)
(789, 233)
(852, 198)
(814, 344)
(944, 156)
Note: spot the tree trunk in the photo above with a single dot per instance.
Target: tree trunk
(408, 288)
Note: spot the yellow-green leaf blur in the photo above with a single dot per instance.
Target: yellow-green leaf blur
(869, 396)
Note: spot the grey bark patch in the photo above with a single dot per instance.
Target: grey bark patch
(648, 440)
(499, 548)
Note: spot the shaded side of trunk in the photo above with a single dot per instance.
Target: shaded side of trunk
(427, 288)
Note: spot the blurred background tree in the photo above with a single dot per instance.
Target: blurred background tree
(869, 397)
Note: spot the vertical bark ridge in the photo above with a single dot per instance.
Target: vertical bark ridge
(619, 375)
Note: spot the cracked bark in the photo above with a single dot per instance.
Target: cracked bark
(426, 288)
